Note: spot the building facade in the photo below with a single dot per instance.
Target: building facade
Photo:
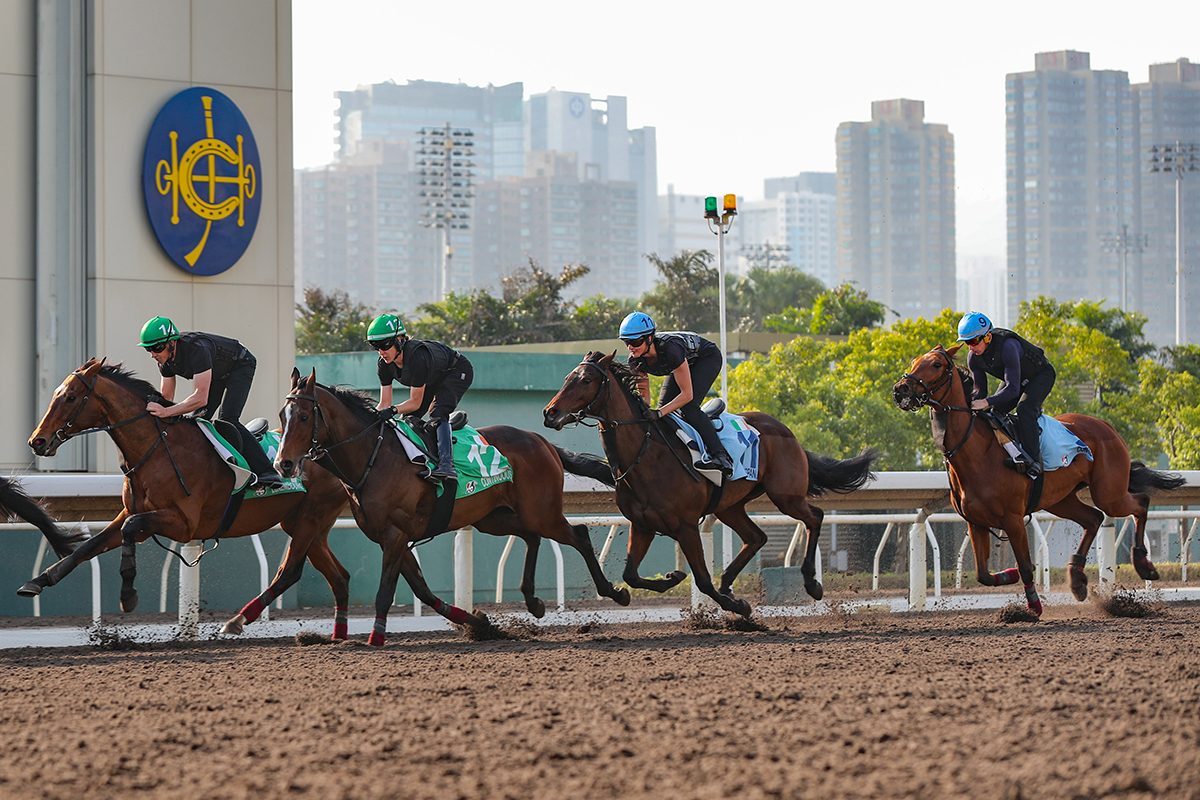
(81, 269)
(795, 223)
(895, 209)
(682, 226)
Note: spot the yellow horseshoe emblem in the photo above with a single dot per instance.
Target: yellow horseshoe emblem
(179, 178)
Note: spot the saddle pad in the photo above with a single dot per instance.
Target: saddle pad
(479, 464)
(738, 436)
(242, 474)
(1059, 445)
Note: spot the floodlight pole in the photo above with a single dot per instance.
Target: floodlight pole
(723, 223)
(1179, 158)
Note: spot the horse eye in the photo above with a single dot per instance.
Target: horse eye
(304, 417)
(70, 398)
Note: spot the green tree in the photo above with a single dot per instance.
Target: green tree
(686, 299)
(1173, 398)
(477, 319)
(750, 299)
(330, 322)
(535, 302)
(1182, 358)
(837, 311)
(598, 317)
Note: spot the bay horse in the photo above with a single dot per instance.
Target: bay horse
(657, 493)
(989, 495)
(14, 502)
(341, 429)
(177, 486)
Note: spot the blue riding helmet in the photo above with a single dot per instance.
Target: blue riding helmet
(972, 325)
(636, 325)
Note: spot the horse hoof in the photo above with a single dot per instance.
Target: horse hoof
(1079, 583)
(375, 639)
(30, 589)
(235, 626)
(536, 607)
(129, 603)
(744, 608)
(621, 597)
(814, 589)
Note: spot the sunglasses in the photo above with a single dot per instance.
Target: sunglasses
(976, 340)
(386, 344)
(638, 342)
(157, 348)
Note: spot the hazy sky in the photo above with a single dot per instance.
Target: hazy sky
(738, 91)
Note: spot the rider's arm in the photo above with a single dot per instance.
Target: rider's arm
(385, 396)
(167, 388)
(415, 396)
(197, 399)
(683, 378)
(1010, 390)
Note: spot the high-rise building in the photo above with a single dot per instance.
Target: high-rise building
(597, 131)
(799, 217)
(557, 218)
(1071, 158)
(1168, 111)
(895, 208)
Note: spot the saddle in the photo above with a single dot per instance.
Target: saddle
(714, 408)
(428, 433)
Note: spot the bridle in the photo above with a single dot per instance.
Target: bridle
(320, 455)
(925, 398)
(61, 436)
(608, 428)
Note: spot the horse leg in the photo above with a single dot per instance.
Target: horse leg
(583, 543)
(1088, 518)
(338, 577)
(140, 527)
(688, 537)
(981, 546)
(639, 543)
(1018, 539)
(503, 522)
(753, 538)
(1136, 506)
(798, 507)
(398, 560)
(102, 542)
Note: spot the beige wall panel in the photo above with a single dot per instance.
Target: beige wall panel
(18, 199)
(283, 44)
(18, 37)
(234, 43)
(249, 314)
(17, 308)
(125, 242)
(286, 302)
(143, 39)
(286, 188)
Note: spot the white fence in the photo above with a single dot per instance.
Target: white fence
(920, 521)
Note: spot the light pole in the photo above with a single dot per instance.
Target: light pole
(1124, 244)
(1178, 158)
(723, 222)
(445, 170)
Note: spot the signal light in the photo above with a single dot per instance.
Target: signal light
(710, 208)
(731, 204)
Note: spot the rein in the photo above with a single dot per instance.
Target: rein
(926, 398)
(316, 453)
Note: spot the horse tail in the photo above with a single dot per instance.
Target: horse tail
(15, 503)
(1142, 478)
(827, 474)
(586, 464)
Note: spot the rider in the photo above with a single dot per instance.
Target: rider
(221, 370)
(1028, 378)
(690, 363)
(436, 373)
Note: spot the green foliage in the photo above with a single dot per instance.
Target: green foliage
(331, 323)
(465, 320)
(763, 292)
(837, 312)
(687, 298)
(598, 317)
(1182, 358)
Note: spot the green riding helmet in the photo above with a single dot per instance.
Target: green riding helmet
(158, 330)
(384, 327)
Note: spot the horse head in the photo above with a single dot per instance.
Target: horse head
(581, 389)
(74, 407)
(299, 416)
(927, 381)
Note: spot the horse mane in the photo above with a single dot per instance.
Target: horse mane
(628, 380)
(967, 380)
(118, 374)
(360, 404)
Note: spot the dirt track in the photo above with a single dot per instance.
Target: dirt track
(1080, 705)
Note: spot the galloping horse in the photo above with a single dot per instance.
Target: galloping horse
(177, 486)
(393, 506)
(656, 492)
(15, 503)
(989, 495)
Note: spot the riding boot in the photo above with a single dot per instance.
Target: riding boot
(718, 457)
(264, 472)
(445, 441)
(1030, 434)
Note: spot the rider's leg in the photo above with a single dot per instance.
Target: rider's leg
(704, 372)
(445, 399)
(236, 390)
(1029, 413)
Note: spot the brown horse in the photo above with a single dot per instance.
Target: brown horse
(177, 486)
(393, 506)
(15, 503)
(988, 495)
(657, 492)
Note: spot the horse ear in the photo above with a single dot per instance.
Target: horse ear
(953, 351)
(608, 359)
(295, 375)
(311, 380)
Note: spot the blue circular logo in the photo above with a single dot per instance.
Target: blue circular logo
(576, 106)
(201, 181)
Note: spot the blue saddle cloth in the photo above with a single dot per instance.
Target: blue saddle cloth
(740, 440)
(1059, 445)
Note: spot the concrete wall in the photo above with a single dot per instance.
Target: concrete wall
(140, 53)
